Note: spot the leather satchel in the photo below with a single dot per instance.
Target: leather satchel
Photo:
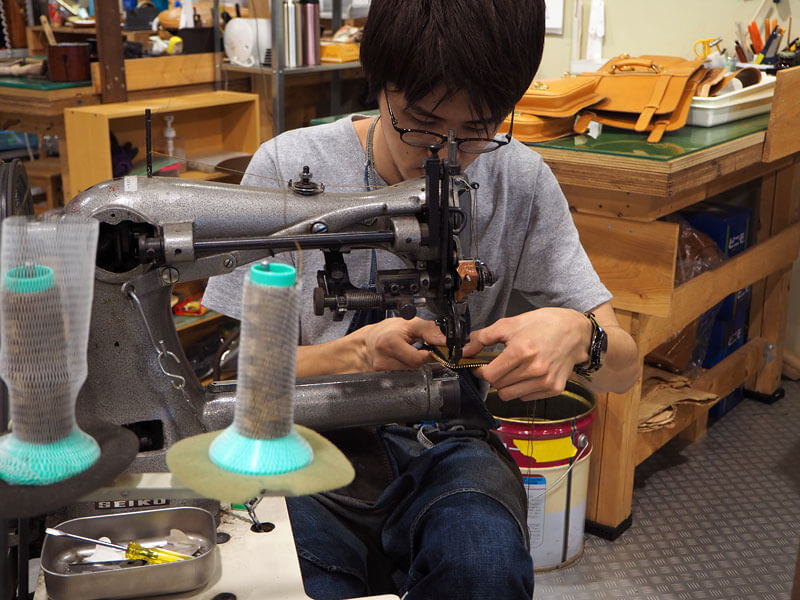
(558, 97)
(647, 93)
(533, 128)
(547, 109)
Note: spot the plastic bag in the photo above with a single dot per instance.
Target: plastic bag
(686, 349)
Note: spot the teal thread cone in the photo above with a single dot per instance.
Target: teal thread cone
(262, 439)
(26, 463)
(240, 454)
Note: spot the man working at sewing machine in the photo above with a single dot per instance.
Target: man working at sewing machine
(438, 511)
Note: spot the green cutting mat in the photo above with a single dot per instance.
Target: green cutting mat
(621, 142)
(30, 83)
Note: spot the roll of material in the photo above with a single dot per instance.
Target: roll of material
(34, 364)
(267, 356)
(46, 295)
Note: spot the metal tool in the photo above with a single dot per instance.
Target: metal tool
(104, 565)
(250, 506)
(702, 48)
(132, 550)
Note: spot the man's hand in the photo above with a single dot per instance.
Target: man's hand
(541, 348)
(387, 345)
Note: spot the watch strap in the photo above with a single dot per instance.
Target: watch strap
(596, 349)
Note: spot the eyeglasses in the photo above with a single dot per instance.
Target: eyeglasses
(436, 141)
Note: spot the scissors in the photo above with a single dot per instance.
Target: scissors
(706, 46)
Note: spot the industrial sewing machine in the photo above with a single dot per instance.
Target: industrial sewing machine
(156, 232)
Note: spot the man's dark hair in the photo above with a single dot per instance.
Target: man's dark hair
(490, 49)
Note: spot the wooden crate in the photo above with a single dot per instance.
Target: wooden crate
(207, 122)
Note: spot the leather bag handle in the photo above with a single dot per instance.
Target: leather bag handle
(630, 64)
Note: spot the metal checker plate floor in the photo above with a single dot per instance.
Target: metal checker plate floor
(719, 518)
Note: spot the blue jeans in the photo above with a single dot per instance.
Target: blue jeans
(451, 524)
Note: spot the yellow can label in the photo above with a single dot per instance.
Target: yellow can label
(545, 451)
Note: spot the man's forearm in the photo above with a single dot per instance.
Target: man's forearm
(622, 366)
(329, 358)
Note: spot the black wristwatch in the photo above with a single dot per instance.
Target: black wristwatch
(598, 346)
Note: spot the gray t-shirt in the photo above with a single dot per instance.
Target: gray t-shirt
(521, 229)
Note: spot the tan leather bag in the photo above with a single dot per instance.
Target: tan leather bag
(548, 108)
(647, 93)
(656, 126)
(558, 97)
(533, 128)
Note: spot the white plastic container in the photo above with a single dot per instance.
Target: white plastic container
(746, 102)
(248, 42)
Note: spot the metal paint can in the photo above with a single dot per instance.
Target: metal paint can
(550, 440)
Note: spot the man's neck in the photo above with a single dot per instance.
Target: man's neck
(383, 164)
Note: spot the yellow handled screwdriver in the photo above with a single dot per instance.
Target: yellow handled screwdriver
(133, 551)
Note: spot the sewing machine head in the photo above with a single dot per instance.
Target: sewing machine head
(156, 232)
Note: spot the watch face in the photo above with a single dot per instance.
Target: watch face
(603, 346)
(599, 348)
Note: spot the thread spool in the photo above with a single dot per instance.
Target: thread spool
(46, 293)
(262, 439)
(34, 364)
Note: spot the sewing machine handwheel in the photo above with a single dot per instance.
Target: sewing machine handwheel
(15, 191)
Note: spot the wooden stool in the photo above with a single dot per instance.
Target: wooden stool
(46, 173)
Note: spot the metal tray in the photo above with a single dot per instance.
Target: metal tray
(132, 581)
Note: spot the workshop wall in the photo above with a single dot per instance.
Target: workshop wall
(658, 27)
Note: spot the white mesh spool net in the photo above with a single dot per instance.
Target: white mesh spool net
(46, 291)
(262, 439)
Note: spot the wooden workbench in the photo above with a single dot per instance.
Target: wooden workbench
(41, 111)
(617, 196)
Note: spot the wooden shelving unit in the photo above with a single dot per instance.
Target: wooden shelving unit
(207, 122)
(616, 202)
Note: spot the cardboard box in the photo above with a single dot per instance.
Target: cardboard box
(727, 225)
(726, 404)
(339, 52)
(727, 336)
(735, 304)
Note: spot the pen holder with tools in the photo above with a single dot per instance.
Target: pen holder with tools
(46, 289)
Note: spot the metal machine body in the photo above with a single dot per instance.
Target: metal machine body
(156, 232)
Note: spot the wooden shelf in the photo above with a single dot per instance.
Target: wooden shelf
(616, 201)
(207, 122)
(664, 179)
(265, 70)
(164, 71)
(694, 297)
(37, 42)
(721, 379)
(185, 322)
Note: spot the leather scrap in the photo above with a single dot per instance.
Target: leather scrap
(662, 391)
